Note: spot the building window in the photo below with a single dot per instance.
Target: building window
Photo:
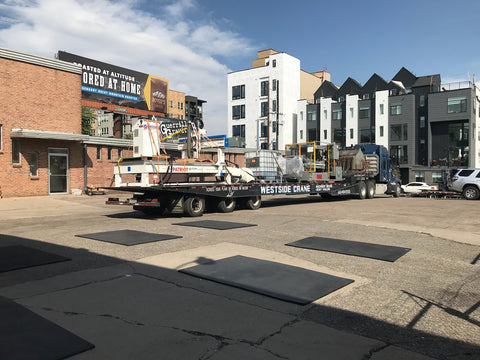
(325, 114)
(437, 177)
(180, 106)
(33, 163)
(274, 85)
(238, 92)
(381, 131)
(264, 109)
(457, 105)
(274, 63)
(109, 153)
(381, 109)
(301, 134)
(422, 122)
(337, 114)
(301, 115)
(366, 96)
(264, 130)
(338, 136)
(238, 112)
(420, 176)
(396, 109)
(351, 112)
(422, 100)
(398, 154)
(119, 153)
(351, 133)
(366, 136)
(311, 115)
(274, 106)
(324, 134)
(364, 113)
(238, 130)
(396, 132)
(15, 151)
(170, 103)
(99, 153)
(264, 146)
(264, 88)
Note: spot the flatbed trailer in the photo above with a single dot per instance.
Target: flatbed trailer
(192, 199)
(435, 194)
(188, 185)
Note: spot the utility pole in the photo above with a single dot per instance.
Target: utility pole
(268, 115)
(277, 110)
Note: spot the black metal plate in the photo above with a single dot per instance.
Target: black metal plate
(215, 224)
(355, 248)
(285, 282)
(19, 257)
(26, 335)
(128, 237)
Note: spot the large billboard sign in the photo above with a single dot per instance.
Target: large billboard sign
(116, 85)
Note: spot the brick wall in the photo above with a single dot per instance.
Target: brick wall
(100, 171)
(37, 98)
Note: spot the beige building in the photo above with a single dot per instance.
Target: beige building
(309, 82)
(176, 105)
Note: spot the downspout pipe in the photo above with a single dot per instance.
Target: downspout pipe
(85, 168)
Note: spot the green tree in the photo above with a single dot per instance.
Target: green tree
(88, 118)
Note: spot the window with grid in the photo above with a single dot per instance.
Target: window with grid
(264, 88)
(238, 92)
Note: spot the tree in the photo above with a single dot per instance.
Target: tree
(88, 118)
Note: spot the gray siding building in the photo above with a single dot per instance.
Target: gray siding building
(429, 128)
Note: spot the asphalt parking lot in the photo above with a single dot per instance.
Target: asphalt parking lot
(425, 304)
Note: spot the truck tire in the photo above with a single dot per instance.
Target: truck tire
(370, 189)
(397, 191)
(194, 206)
(362, 190)
(252, 203)
(226, 205)
(471, 192)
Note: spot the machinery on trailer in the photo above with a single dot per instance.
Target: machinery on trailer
(161, 182)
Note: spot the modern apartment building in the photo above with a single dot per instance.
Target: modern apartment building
(429, 127)
(263, 103)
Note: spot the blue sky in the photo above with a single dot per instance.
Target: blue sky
(195, 43)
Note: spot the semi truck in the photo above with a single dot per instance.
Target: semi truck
(161, 182)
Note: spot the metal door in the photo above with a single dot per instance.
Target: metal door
(58, 171)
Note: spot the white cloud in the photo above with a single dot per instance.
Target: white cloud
(115, 32)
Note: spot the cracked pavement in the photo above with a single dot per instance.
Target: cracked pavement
(132, 303)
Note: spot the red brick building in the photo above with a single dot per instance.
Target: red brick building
(42, 150)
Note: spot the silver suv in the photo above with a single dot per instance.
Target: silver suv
(467, 181)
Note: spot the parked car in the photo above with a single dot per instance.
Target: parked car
(418, 187)
(467, 181)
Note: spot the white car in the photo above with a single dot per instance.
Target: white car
(418, 187)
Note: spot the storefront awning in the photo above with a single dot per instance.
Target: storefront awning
(47, 135)
(54, 135)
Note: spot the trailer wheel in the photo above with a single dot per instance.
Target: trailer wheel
(252, 203)
(471, 192)
(194, 206)
(362, 190)
(226, 205)
(370, 189)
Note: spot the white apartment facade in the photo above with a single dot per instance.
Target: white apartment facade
(263, 102)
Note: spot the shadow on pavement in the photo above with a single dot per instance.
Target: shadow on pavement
(114, 303)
